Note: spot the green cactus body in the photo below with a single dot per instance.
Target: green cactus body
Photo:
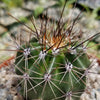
(52, 74)
(50, 67)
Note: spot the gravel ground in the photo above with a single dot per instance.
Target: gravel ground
(8, 90)
(93, 83)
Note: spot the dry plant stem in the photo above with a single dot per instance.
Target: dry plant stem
(7, 62)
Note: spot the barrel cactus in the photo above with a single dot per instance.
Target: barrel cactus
(52, 65)
(51, 71)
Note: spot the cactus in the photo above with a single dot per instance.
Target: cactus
(51, 67)
(53, 73)
(53, 64)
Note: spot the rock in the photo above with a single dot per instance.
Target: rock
(98, 94)
(91, 3)
(93, 83)
(7, 20)
(17, 13)
(55, 13)
(6, 43)
(3, 94)
(18, 97)
(9, 97)
(7, 91)
(2, 5)
(2, 29)
(2, 12)
(48, 3)
(31, 5)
